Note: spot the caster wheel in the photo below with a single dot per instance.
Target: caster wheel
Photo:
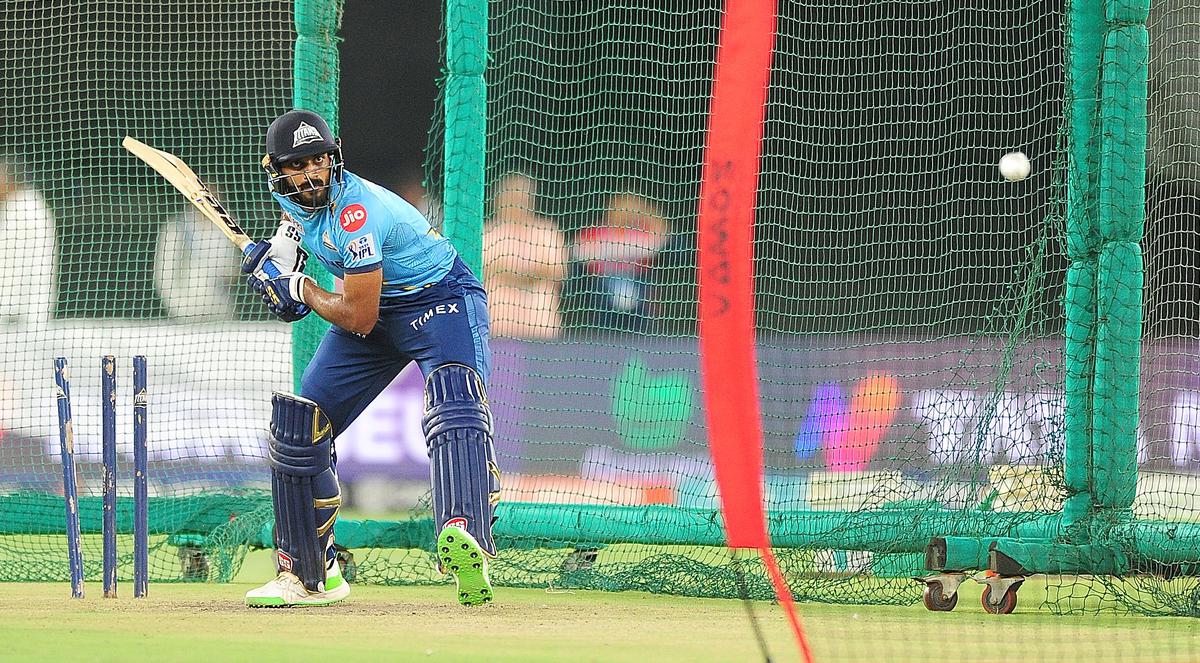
(935, 601)
(580, 559)
(346, 564)
(193, 563)
(1006, 605)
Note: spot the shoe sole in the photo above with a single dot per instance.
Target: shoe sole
(276, 602)
(462, 558)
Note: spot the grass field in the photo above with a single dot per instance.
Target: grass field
(208, 622)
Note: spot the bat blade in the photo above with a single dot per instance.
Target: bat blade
(183, 178)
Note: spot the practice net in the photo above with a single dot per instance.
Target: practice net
(910, 303)
(925, 349)
(908, 300)
(101, 256)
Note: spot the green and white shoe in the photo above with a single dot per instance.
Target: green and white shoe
(286, 591)
(460, 555)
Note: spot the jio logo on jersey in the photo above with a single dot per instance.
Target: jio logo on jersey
(353, 217)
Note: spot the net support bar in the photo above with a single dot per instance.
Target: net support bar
(315, 71)
(466, 127)
(1085, 41)
(1122, 199)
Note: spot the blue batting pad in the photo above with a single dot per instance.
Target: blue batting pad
(462, 460)
(304, 487)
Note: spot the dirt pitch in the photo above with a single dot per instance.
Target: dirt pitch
(209, 623)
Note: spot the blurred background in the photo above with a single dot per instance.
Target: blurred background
(909, 300)
(389, 81)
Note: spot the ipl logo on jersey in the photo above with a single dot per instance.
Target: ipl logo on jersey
(361, 248)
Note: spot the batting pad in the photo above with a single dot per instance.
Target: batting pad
(462, 460)
(304, 487)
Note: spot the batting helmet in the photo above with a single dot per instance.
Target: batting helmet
(294, 135)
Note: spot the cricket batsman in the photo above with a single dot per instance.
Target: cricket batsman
(406, 296)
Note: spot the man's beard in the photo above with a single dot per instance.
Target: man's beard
(315, 197)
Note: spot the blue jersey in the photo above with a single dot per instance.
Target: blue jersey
(371, 228)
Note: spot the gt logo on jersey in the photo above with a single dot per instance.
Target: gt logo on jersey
(361, 248)
(353, 217)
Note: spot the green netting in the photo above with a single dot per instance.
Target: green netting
(946, 360)
(909, 301)
(936, 346)
(101, 256)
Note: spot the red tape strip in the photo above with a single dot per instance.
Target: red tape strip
(726, 269)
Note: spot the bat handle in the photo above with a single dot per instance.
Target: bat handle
(267, 266)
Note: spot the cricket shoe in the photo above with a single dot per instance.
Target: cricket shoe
(460, 555)
(287, 591)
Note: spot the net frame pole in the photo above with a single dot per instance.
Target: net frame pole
(315, 71)
(1124, 76)
(1084, 42)
(466, 128)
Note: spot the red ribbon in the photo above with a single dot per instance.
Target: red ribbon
(725, 262)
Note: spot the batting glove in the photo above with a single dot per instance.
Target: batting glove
(284, 295)
(283, 249)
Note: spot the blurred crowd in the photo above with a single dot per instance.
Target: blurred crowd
(544, 281)
(605, 276)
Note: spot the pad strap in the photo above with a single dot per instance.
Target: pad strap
(462, 459)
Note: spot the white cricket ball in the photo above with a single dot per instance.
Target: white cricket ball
(1014, 166)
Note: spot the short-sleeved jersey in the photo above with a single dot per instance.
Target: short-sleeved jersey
(371, 228)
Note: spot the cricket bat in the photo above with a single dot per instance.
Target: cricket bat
(193, 188)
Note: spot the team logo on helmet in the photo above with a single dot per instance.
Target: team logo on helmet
(305, 134)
